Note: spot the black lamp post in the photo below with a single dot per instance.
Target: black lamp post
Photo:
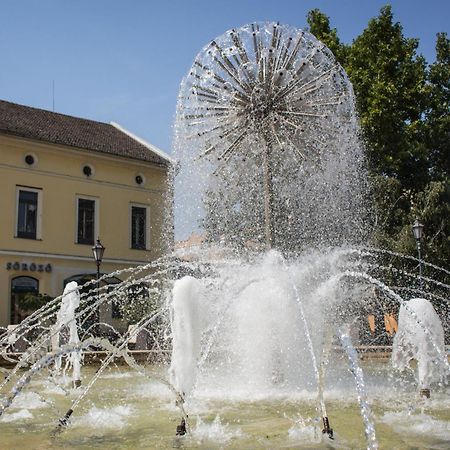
(98, 251)
(417, 230)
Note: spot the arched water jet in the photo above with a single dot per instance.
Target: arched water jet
(369, 429)
(228, 284)
(319, 371)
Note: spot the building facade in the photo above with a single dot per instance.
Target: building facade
(64, 183)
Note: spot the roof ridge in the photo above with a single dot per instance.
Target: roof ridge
(53, 112)
(142, 141)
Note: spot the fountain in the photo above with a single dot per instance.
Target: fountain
(411, 343)
(256, 336)
(66, 329)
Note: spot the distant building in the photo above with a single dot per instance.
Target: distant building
(64, 182)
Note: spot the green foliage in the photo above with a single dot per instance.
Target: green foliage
(438, 114)
(389, 79)
(432, 205)
(404, 108)
(319, 26)
(138, 301)
(32, 302)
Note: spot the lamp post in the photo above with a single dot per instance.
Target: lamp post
(98, 251)
(417, 230)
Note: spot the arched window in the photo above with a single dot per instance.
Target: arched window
(22, 291)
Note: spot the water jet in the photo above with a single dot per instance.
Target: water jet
(261, 326)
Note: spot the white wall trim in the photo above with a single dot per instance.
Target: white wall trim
(70, 257)
(151, 147)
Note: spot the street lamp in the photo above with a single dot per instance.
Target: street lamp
(417, 230)
(98, 251)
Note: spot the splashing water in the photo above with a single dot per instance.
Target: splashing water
(267, 139)
(270, 159)
(369, 429)
(65, 329)
(411, 343)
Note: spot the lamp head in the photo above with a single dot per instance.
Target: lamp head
(417, 230)
(98, 251)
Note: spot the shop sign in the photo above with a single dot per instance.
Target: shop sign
(31, 267)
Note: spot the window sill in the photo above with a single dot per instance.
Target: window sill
(140, 249)
(28, 238)
(84, 243)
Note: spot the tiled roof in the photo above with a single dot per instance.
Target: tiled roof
(47, 126)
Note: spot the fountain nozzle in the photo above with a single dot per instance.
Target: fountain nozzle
(181, 429)
(326, 427)
(425, 393)
(64, 420)
(62, 423)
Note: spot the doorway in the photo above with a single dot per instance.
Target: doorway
(21, 289)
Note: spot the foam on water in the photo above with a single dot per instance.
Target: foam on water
(18, 416)
(105, 418)
(118, 375)
(152, 389)
(302, 433)
(214, 431)
(418, 424)
(29, 400)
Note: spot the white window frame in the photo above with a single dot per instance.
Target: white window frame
(96, 216)
(38, 214)
(147, 225)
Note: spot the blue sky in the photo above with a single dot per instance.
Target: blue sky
(123, 60)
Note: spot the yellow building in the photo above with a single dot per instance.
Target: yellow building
(64, 182)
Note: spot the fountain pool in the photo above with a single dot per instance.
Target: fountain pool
(262, 323)
(128, 411)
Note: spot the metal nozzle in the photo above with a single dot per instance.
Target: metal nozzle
(425, 393)
(62, 423)
(326, 427)
(64, 420)
(181, 429)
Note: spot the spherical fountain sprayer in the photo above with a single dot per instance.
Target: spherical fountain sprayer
(264, 91)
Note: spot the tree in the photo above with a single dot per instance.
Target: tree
(389, 79)
(319, 26)
(404, 114)
(438, 114)
(31, 302)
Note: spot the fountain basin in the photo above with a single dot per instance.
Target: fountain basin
(126, 410)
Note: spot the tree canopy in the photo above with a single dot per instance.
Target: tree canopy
(403, 104)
